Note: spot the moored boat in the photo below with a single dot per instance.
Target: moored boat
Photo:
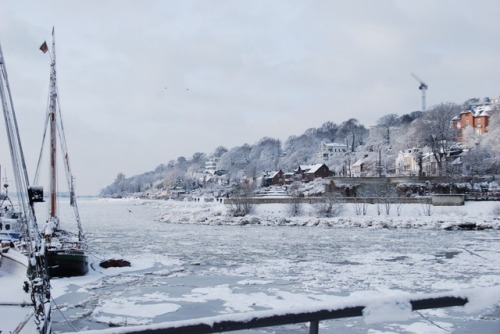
(11, 228)
(17, 310)
(66, 251)
(24, 282)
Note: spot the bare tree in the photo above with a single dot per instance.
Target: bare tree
(331, 206)
(360, 206)
(354, 133)
(399, 206)
(436, 131)
(387, 122)
(426, 209)
(295, 207)
(241, 203)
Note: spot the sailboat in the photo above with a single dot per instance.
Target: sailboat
(65, 251)
(11, 223)
(24, 280)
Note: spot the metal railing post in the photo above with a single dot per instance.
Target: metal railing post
(314, 327)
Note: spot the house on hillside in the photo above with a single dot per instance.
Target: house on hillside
(273, 178)
(290, 177)
(370, 165)
(310, 172)
(430, 165)
(328, 150)
(407, 162)
(421, 161)
(219, 177)
(358, 168)
(476, 117)
(211, 165)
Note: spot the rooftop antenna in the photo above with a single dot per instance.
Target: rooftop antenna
(423, 87)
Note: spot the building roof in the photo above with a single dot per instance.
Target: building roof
(334, 144)
(273, 173)
(314, 168)
(358, 163)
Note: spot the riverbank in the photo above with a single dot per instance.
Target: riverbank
(471, 216)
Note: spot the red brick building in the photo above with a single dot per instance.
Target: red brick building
(476, 118)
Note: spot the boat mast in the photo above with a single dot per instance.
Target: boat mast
(54, 122)
(37, 266)
(53, 129)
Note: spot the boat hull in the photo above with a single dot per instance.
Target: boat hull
(10, 236)
(16, 307)
(65, 263)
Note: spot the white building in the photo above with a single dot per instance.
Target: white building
(407, 162)
(211, 165)
(328, 150)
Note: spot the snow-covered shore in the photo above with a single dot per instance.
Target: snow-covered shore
(473, 215)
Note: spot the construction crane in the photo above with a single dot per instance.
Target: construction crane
(423, 87)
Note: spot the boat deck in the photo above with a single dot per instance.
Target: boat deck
(15, 304)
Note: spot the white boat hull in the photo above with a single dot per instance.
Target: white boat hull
(16, 308)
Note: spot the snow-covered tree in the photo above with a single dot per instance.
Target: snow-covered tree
(491, 142)
(476, 162)
(219, 151)
(354, 133)
(386, 123)
(197, 163)
(300, 150)
(435, 130)
(235, 160)
(265, 155)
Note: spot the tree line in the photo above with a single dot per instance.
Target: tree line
(392, 133)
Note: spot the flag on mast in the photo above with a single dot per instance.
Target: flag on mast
(44, 48)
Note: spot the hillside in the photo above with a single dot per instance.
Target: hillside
(458, 152)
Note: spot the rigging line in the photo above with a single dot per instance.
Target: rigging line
(431, 322)
(62, 138)
(69, 323)
(65, 157)
(62, 142)
(472, 253)
(93, 254)
(40, 157)
(69, 175)
(45, 130)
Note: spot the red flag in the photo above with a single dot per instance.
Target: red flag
(44, 48)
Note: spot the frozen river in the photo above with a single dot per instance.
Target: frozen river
(184, 271)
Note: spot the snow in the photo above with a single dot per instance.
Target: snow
(191, 261)
(480, 214)
(380, 311)
(396, 308)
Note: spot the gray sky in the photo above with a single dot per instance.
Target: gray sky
(143, 82)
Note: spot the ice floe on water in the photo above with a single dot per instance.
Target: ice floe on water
(185, 268)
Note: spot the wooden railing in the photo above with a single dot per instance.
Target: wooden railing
(259, 319)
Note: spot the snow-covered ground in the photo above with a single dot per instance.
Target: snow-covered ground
(482, 215)
(191, 260)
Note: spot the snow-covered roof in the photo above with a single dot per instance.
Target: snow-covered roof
(358, 163)
(272, 174)
(334, 144)
(314, 168)
(481, 110)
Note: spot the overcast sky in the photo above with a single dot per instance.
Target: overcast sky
(144, 82)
